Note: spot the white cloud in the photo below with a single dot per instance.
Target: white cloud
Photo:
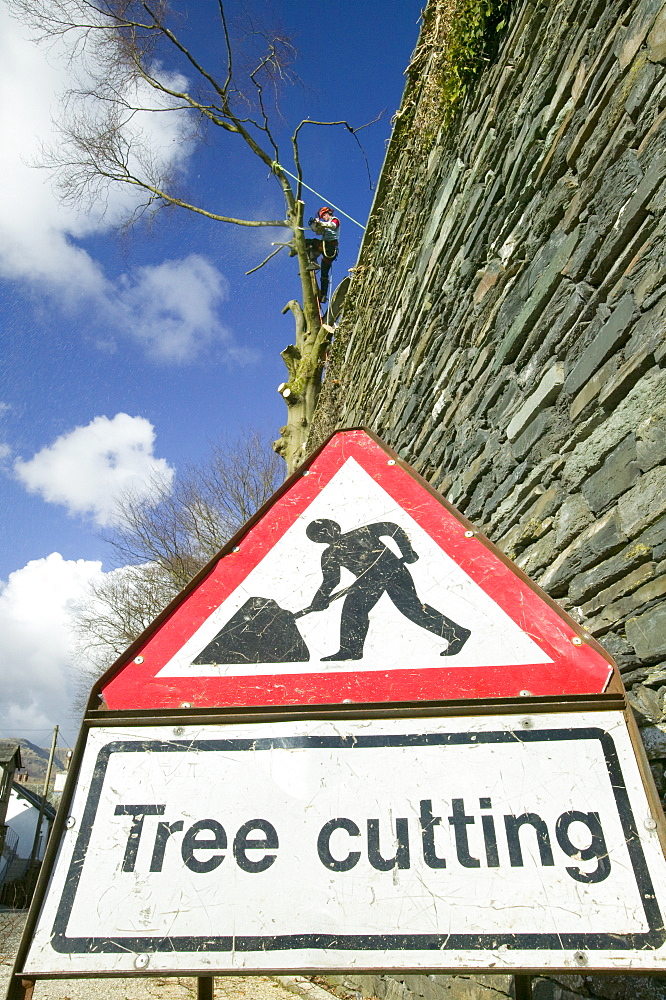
(37, 685)
(34, 228)
(87, 469)
(38, 233)
(173, 307)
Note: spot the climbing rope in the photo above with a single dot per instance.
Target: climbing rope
(293, 177)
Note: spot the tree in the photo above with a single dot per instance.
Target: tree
(134, 56)
(163, 541)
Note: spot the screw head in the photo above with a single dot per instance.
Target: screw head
(178, 731)
(138, 659)
(525, 694)
(577, 641)
(469, 534)
(185, 704)
(307, 472)
(141, 961)
(580, 958)
(391, 461)
(650, 824)
(236, 548)
(70, 822)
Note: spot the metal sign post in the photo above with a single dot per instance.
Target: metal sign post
(272, 785)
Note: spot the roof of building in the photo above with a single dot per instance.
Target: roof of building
(8, 750)
(33, 798)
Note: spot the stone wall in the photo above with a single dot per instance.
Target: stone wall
(504, 330)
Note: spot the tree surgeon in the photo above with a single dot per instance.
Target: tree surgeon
(377, 570)
(327, 228)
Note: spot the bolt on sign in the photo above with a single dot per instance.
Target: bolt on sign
(360, 739)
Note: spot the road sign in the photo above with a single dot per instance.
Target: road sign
(357, 582)
(500, 843)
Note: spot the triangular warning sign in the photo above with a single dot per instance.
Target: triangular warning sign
(356, 582)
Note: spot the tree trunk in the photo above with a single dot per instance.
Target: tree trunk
(304, 359)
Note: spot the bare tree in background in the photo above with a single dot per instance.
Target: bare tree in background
(163, 541)
(133, 57)
(182, 526)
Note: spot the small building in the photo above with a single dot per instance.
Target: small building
(22, 817)
(10, 761)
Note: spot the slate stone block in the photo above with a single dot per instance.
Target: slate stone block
(544, 394)
(645, 397)
(600, 539)
(537, 556)
(647, 632)
(542, 291)
(630, 40)
(545, 989)
(656, 40)
(510, 392)
(642, 89)
(631, 582)
(656, 677)
(616, 645)
(523, 494)
(648, 332)
(504, 488)
(654, 741)
(572, 518)
(643, 504)
(625, 378)
(494, 390)
(646, 702)
(619, 611)
(535, 430)
(618, 474)
(635, 676)
(605, 573)
(593, 387)
(652, 180)
(654, 537)
(588, 247)
(651, 441)
(612, 335)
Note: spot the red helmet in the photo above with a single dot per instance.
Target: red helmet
(325, 209)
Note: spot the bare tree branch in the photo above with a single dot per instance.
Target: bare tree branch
(130, 59)
(266, 259)
(260, 93)
(350, 129)
(227, 41)
(181, 526)
(188, 55)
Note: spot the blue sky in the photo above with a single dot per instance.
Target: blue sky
(123, 354)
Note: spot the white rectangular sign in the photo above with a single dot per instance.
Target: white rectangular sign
(498, 843)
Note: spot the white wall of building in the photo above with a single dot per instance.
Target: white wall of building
(22, 818)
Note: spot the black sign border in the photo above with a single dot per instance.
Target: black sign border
(612, 941)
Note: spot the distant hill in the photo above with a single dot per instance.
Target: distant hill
(35, 760)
